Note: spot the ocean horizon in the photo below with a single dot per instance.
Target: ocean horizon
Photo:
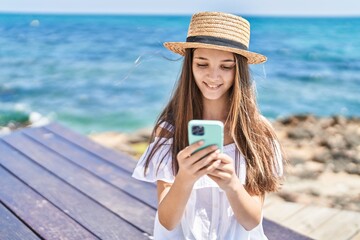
(98, 73)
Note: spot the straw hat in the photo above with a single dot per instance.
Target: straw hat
(221, 31)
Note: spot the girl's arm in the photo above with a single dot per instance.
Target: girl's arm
(247, 208)
(173, 197)
(172, 202)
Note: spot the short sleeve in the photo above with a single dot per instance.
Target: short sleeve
(160, 166)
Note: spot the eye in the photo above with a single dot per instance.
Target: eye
(227, 67)
(201, 65)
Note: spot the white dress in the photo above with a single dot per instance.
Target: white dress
(208, 214)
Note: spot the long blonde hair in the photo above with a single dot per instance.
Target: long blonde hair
(252, 134)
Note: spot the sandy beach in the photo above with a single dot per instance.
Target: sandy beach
(323, 155)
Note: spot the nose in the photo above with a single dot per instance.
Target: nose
(213, 74)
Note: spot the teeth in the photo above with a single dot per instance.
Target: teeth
(213, 86)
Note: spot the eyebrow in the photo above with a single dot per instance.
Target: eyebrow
(225, 60)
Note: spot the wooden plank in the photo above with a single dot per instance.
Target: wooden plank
(102, 152)
(143, 191)
(287, 210)
(43, 217)
(52, 141)
(274, 231)
(110, 197)
(310, 218)
(12, 228)
(343, 225)
(102, 222)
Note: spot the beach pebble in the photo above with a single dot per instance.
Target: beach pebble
(353, 168)
(352, 136)
(299, 133)
(322, 155)
(340, 120)
(326, 122)
(335, 141)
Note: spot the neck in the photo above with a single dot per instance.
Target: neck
(215, 109)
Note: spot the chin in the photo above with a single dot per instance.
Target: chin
(212, 97)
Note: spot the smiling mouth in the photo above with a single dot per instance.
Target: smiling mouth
(212, 86)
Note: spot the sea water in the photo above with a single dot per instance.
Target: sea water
(111, 73)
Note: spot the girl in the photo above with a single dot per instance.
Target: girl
(208, 194)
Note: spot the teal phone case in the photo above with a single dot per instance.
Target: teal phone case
(210, 131)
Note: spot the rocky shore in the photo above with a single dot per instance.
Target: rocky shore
(323, 160)
(34, 119)
(323, 156)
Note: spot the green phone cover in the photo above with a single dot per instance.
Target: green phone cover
(213, 133)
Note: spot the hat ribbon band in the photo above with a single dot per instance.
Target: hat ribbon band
(216, 41)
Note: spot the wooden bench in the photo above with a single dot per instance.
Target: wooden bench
(57, 184)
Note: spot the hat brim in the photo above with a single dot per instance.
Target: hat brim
(179, 48)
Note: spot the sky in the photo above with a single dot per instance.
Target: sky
(248, 7)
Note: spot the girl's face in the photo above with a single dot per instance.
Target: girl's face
(214, 72)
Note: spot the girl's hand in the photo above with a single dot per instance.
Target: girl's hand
(194, 166)
(224, 175)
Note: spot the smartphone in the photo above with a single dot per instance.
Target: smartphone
(209, 131)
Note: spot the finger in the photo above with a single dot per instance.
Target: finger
(225, 158)
(219, 174)
(180, 158)
(209, 168)
(204, 152)
(225, 167)
(216, 179)
(207, 160)
(186, 152)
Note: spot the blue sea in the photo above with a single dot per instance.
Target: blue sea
(98, 73)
